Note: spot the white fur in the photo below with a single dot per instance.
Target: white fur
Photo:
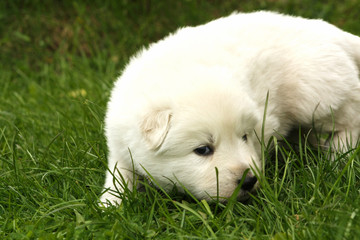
(207, 85)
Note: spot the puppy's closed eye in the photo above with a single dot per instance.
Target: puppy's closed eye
(204, 151)
(244, 138)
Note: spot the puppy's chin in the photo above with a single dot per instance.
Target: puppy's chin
(244, 196)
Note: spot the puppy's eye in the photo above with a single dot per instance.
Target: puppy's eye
(204, 151)
(244, 138)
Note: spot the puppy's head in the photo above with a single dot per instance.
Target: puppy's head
(188, 141)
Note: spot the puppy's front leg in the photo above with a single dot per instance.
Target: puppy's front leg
(118, 178)
(345, 140)
(347, 124)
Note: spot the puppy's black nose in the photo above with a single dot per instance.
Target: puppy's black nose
(248, 183)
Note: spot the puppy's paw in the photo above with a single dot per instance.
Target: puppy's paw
(109, 198)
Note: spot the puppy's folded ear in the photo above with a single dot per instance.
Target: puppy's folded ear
(155, 127)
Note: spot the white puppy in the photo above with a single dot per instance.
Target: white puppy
(193, 102)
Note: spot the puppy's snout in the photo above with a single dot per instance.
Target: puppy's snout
(248, 183)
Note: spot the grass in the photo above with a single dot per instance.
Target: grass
(58, 62)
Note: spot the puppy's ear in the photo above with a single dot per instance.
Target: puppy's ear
(155, 126)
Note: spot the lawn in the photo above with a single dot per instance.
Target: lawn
(58, 61)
